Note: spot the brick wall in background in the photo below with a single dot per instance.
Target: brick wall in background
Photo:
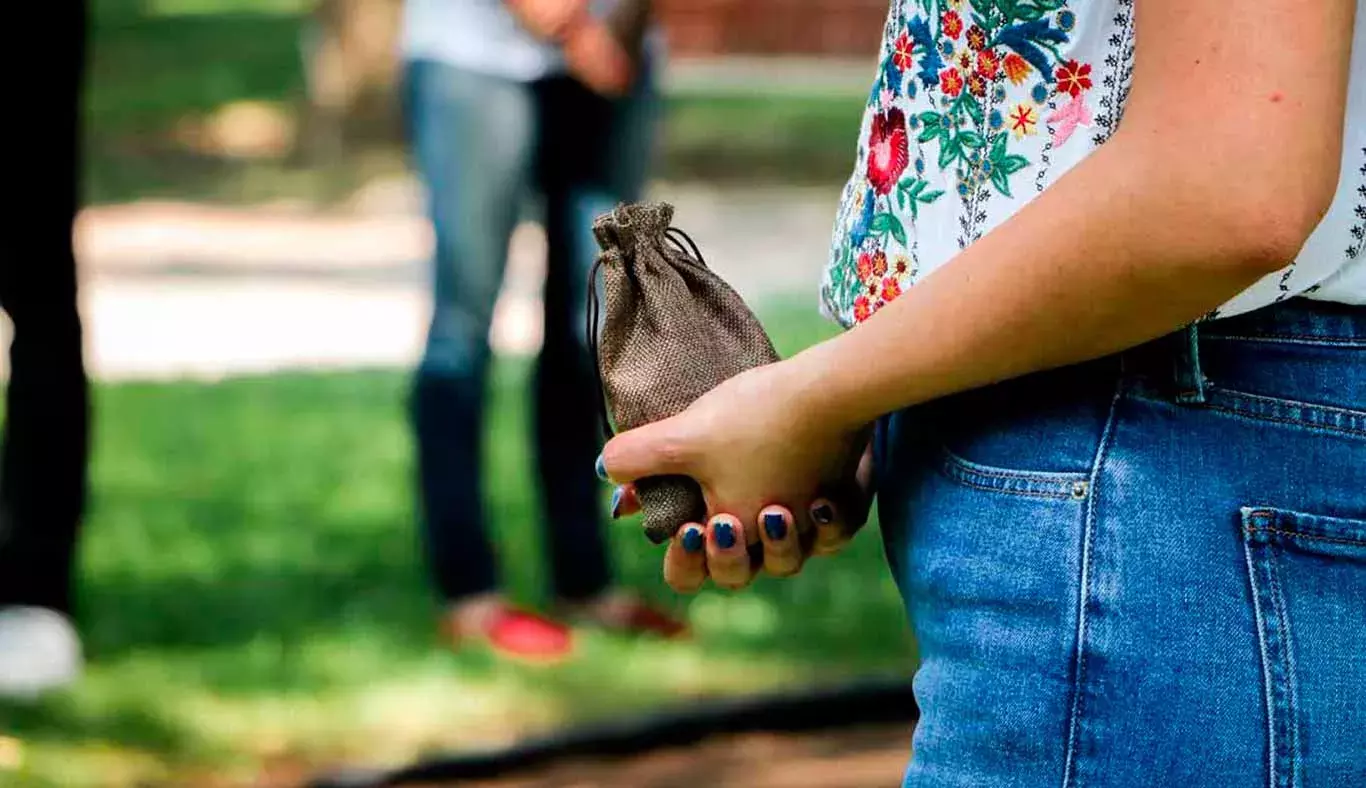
(773, 27)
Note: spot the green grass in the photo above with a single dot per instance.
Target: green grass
(253, 595)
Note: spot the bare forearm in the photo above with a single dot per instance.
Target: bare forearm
(1116, 253)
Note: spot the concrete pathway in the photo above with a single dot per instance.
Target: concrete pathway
(175, 290)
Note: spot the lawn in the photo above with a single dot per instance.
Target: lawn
(253, 597)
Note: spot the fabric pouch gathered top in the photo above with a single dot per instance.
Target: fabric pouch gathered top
(666, 331)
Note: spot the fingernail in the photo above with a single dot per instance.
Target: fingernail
(823, 514)
(775, 525)
(692, 540)
(724, 533)
(616, 502)
(600, 468)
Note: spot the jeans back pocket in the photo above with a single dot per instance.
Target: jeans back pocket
(1308, 582)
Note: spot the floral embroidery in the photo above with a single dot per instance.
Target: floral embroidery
(1068, 118)
(961, 84)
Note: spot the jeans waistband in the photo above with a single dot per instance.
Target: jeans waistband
(1174, 362)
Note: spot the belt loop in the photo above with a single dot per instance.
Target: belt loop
(1190, 379)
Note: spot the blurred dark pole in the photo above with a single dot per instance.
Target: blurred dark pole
(46, 444)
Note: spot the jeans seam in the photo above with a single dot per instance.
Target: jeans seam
(1288, 704)
(1335, 414)
(1069, 777)
(1301, 535)
(1291, 339)
(1262, 647)
(1060, 486)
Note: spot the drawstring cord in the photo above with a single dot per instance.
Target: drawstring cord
(684, 244)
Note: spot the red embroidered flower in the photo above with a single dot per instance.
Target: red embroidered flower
(1074, 77)
(951, 24)
(965, 61)
(951, 82)
(903, 52)
(901, 266)
(988, 63)
(977, 86)
(887, 149)
(865, 266)
(862, 309)
(891, 288)
(977, 38)
(880, 263)
(1017, 68)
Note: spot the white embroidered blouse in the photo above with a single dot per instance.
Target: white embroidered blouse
(979, 105)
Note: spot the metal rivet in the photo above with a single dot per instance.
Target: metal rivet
(1079, 490)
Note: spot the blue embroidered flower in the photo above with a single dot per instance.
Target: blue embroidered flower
(930, 60)
(946, 48)
(914, 123)
(963, 189)
(1067, 20)
(998, 94)
(920, 166)
(987, 167)
(996, 121)
(1039, 93)
(864, 222)
(912, 88)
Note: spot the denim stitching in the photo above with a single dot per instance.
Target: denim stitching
(1284, 411)
(1292, 339)
(1084, 591)
(1266, 663)
(1300, 535)
(982, 477)
(1289, 703)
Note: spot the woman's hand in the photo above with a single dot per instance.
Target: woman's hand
(733, 553)
(758, 449)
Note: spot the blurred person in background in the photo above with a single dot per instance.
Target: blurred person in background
(502, 100)
(43, 465)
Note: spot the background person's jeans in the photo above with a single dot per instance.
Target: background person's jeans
(1149, 570)
(482, 144)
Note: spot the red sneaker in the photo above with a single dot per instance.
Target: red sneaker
(521, 634)
(516, 634)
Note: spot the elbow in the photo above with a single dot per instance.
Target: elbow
(1268, 224)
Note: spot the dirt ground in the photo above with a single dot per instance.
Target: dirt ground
(870, 757)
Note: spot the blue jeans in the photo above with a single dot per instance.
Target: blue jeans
(482, 144)
(1149, 570)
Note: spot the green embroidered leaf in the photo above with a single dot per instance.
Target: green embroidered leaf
(1012, 164)
(918, 187)
(898, 230)
(932, 120)
(998, 149)
(881, 223)
(949, 153)
(905, 183)
(971, 139)
(1001, 181)
(901, 199)
(929, 197)
(974, 108)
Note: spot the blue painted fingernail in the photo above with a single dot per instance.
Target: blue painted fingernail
(692, 540)
(600, 468)
(616, 502)
(724, 533)
(823, 514)
(775, 525)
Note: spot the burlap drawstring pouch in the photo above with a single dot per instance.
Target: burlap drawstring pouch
(666, 331)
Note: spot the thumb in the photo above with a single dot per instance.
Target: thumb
(657, 449)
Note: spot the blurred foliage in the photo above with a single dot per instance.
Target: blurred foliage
(161, 69)
(253, 595)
